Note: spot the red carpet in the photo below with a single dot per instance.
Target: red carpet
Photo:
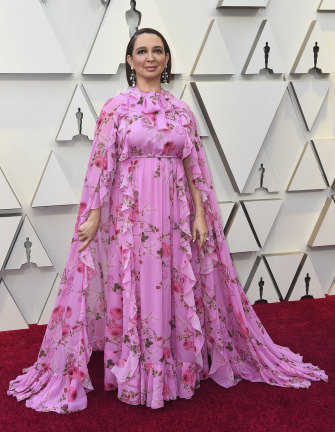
(306, 327)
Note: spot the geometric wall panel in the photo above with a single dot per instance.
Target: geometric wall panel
(283, 267)
(326, 151)
(69, 127)
(239, 235)
(307, 174)
(314, 287)
(305, 58)
(262, 214)
(226, 212)
(252, 287)
(8, 228)
(331, 290)
(189, 97)
(20, 251)
(256, 58)
(53, 188)
(270, 181)
(324, 231)
(30, 289)
(29, 44)
(208, 61)
(238, 129)
(327, 5)
(50, 303)
(114, 34)
(8, 198)
(10, 315)
(242, 3)
(310, 96)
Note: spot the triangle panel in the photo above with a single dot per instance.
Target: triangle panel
(10, 315)
(54, 188)
(31, 44)
(21, 248)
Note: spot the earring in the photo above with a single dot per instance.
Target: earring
(133, 77)
(165, 75)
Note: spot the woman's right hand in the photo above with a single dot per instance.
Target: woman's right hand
(87, 231)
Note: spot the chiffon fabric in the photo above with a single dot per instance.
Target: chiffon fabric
(165, 313)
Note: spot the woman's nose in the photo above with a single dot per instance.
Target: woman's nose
(150, 55)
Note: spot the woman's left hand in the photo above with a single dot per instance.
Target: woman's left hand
(200, 227)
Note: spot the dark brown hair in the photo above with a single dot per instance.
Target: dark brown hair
(130, 48)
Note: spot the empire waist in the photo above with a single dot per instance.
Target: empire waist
(154, 156)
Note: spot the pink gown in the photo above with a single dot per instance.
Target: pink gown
(142, 291)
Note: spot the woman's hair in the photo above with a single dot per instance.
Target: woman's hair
(130, 48)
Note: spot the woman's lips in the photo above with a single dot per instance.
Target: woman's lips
(151, 68)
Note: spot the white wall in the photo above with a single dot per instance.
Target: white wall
(32, 107)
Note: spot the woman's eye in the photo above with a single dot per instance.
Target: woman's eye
(156, 50)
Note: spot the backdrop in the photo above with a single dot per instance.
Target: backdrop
(269, 136)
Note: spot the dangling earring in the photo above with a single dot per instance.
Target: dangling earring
(133, 77)
(165, 75)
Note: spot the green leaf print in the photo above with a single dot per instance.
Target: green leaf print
(229, 347)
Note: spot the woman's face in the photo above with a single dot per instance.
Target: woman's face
(148, 58)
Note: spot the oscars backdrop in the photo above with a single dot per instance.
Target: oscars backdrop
(259, 76)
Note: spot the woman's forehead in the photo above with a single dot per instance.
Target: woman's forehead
(148, 39)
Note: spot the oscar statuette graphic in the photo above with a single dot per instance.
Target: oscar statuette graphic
(315, 69)
(266, 70)
(133, 18)
(307, 281)
(261, 288)
(80, 136)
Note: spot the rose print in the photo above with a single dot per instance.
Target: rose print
(80, 268)
(82, 207)
(72, 394)
(168, 148)
(166, 353)
(147, 366)
(72, 371)
(116, 313)
(101, 162)
(121, 362)
(177, 286)
(166, 391)
(188, 376)
(68, 312)
(165, 250)
(187, 344)
(115, 330)
(58, 311)
(65, 329)
(199, 303)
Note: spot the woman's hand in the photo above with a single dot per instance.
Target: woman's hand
(200, 227)
(87, 230)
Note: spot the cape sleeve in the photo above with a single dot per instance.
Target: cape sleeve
(215, 253)
(59, 379)
(102, 162)
(100, 173)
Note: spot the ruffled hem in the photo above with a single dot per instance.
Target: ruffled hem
(154, 384)
(46, 392)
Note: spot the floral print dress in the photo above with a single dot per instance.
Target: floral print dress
(166, 314)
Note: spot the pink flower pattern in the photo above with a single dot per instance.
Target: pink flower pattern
(142, 291)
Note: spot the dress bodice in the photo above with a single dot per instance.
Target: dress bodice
(150, 126)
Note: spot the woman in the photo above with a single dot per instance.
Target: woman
(167, 310)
